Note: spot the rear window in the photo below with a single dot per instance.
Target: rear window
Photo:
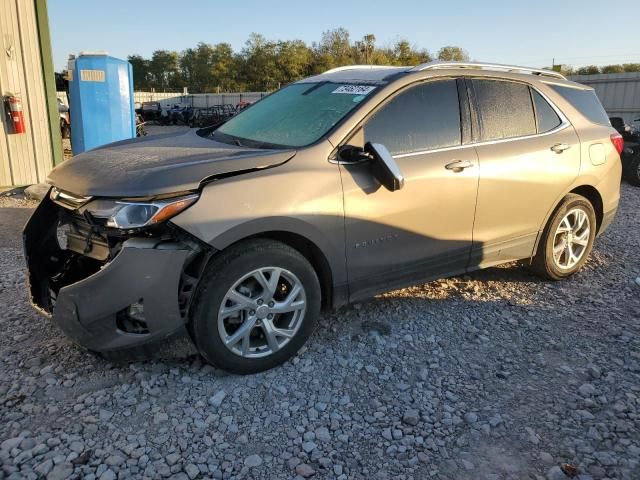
(585, 101)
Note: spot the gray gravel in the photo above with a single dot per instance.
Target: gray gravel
(495, 375)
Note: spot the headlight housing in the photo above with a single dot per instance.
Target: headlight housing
(126, 215)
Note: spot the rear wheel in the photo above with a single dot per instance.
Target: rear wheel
(567, 239)
(257, 305)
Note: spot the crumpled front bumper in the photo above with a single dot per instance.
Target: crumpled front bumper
(144, 271)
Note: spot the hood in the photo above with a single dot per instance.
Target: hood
(158, 165)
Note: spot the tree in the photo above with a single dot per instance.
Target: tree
(561, 68)
(293, 59)
(140, 67)
(631, 67)
(266, 64)
(588, 70)
(164, 70)
(224, 67)
(195, 65)
(337, 45)
(455, 54)
(259, 66)
(612, 69)
(403, 53)
(364, 49)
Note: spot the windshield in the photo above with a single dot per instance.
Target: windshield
(295, 116)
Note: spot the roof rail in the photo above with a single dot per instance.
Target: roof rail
(359, 67)
(486, 66)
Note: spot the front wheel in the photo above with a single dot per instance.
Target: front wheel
(257, 305)
(567, 239)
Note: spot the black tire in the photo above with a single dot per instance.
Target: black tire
(221, 274)
(632, 170)
(543, 262)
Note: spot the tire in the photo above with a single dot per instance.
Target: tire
(211, 324)
(632, 170)
(549, 266)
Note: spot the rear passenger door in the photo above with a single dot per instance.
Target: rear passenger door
(528, 155)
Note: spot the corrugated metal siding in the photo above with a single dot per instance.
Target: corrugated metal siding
(24, 158)
(618, 92)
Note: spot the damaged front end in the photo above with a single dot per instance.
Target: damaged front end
(111, 288)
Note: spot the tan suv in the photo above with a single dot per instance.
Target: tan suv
(330, 190)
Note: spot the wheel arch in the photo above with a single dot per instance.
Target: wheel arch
(309, 240)
(312, 253)
(591, 193)
(587, 191)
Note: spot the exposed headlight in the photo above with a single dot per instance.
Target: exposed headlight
(129, 214)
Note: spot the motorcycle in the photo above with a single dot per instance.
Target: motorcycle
(140, 131)
(631, 153)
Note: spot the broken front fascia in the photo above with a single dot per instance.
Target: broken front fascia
(105, 289)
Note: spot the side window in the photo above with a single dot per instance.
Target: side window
(546, 116)
(423, 117)
(505, 109)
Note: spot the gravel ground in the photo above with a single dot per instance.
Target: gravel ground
(495, 375)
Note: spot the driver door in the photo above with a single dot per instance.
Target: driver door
(424, 230)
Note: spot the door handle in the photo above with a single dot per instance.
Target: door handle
(458, 165)
(560, 147)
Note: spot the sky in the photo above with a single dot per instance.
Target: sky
(514, 32)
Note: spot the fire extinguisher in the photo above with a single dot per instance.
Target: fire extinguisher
(13, 105)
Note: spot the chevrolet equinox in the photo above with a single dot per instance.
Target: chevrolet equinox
(331, 190)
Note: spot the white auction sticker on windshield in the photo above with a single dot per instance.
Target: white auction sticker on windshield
(354, 89)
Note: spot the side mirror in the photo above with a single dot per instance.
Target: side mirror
(384, 167)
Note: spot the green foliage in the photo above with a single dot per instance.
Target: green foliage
(140, 68)
(264, 64)
(612, 69)
(403, 53)
(588, 70)
(455, 54)
(164, 70)
(593, 70)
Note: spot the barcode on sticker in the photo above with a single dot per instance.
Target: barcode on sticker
(354, 89)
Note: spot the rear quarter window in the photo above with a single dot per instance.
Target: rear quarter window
(546, 116)
(585, 101)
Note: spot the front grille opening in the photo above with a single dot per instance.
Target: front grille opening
(132, 320)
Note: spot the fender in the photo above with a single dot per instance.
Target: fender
(310, 232)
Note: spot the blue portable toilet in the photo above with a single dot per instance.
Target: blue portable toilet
(100, 101)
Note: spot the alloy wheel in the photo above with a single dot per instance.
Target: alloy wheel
(571, 239)
(262, 312)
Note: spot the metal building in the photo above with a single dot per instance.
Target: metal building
(26, 74)
(618, 92)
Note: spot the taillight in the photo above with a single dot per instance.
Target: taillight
(618, 142)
